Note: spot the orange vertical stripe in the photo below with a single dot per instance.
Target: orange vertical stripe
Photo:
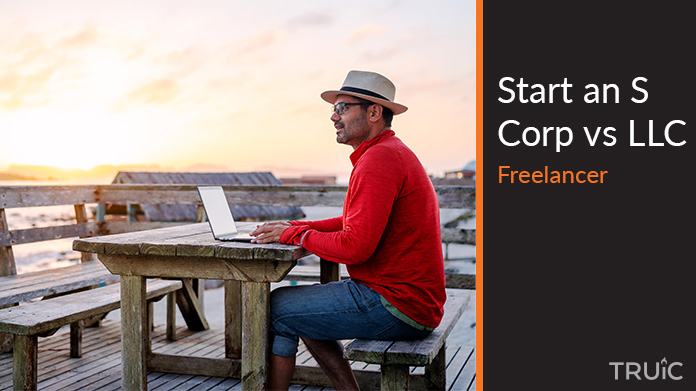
(479, 195)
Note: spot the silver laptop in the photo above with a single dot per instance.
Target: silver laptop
(219, 215)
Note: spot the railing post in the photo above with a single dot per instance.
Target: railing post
(200, 214)
(101, 212)
(7, 261)
(132, 212)
(7, 268)
(81, 217)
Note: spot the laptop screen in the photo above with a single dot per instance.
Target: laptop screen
(217, 211)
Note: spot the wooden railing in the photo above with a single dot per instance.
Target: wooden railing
(131, 195)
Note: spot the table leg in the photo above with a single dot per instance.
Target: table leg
(255, 309)
(233, 319)
(135, 333)
(190, 307)
(328, 271)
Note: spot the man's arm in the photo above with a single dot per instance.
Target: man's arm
(270, 232)
(375, 186)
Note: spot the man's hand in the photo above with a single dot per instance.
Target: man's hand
(269, 232)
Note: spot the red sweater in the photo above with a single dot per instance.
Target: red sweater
(389, 234)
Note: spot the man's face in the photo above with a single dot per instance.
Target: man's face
(352, 126)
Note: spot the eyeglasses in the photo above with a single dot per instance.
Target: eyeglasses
(340, 108)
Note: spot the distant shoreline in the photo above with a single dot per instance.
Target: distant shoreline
(8, 176)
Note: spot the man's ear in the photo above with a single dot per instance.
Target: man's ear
(375, 113)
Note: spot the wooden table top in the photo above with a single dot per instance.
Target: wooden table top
(193, 240)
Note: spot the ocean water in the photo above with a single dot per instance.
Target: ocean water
(48, 254)
(58, 253)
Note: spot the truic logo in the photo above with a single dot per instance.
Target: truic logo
(661, 370)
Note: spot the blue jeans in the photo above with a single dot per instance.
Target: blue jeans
(334, 311)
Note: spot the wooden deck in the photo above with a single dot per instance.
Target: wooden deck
(100, 366)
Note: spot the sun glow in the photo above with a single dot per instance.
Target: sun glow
(223, 84)
(69, 139)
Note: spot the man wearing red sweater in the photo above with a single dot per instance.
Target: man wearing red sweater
(388, 237)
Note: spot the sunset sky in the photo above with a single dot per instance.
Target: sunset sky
(227, 85)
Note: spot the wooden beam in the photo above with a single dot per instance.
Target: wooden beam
(32, 235)
(132, 211)
(81, 217)
(189, 365)
(171, 316)
(28, 196)
(7, 261)
(135, 333)
(460, 281)
(328, 271)
(192, 267)
(233, 319)
(367, 380)
(76, 339)
(25, 362)
(190, 307)
(200, 214)
(7, 268)
(255, 328)
(458, 235)
(394, 377)
(436, 372)
(88, 229)
(120, 227)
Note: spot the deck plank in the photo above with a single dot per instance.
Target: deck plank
(100, 366)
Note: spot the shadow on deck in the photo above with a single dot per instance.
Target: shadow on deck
(100, 366)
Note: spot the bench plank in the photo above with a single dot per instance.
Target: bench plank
(24, 287)
(417, 353)
(25, 279)
(423, 352)
(36, 318)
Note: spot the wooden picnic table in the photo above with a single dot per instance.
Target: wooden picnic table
(191, 252)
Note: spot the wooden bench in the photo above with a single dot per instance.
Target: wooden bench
(28, 286)
(312, 273)
(20, 288)
(396, 357)
(29, 321)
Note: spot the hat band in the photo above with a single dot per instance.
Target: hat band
(364, 92)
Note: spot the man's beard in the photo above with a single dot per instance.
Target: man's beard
(357, 129)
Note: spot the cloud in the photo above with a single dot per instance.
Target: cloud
(206, 167)
(310, 19)
(183, 63)
(431, 83)
(87, 36)
(18, 90)
(9, 82)
(178, 56)
(158, 91)
(224, 84)
(262, 40)
(33, 60)
(382, 54)
(364, 32)
(133, 51)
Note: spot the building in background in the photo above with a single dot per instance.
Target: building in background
(464, 177)
(183, 213)
(310, 181)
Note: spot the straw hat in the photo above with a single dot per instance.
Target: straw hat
(370, 86)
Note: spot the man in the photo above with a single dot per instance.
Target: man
(388, 236)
